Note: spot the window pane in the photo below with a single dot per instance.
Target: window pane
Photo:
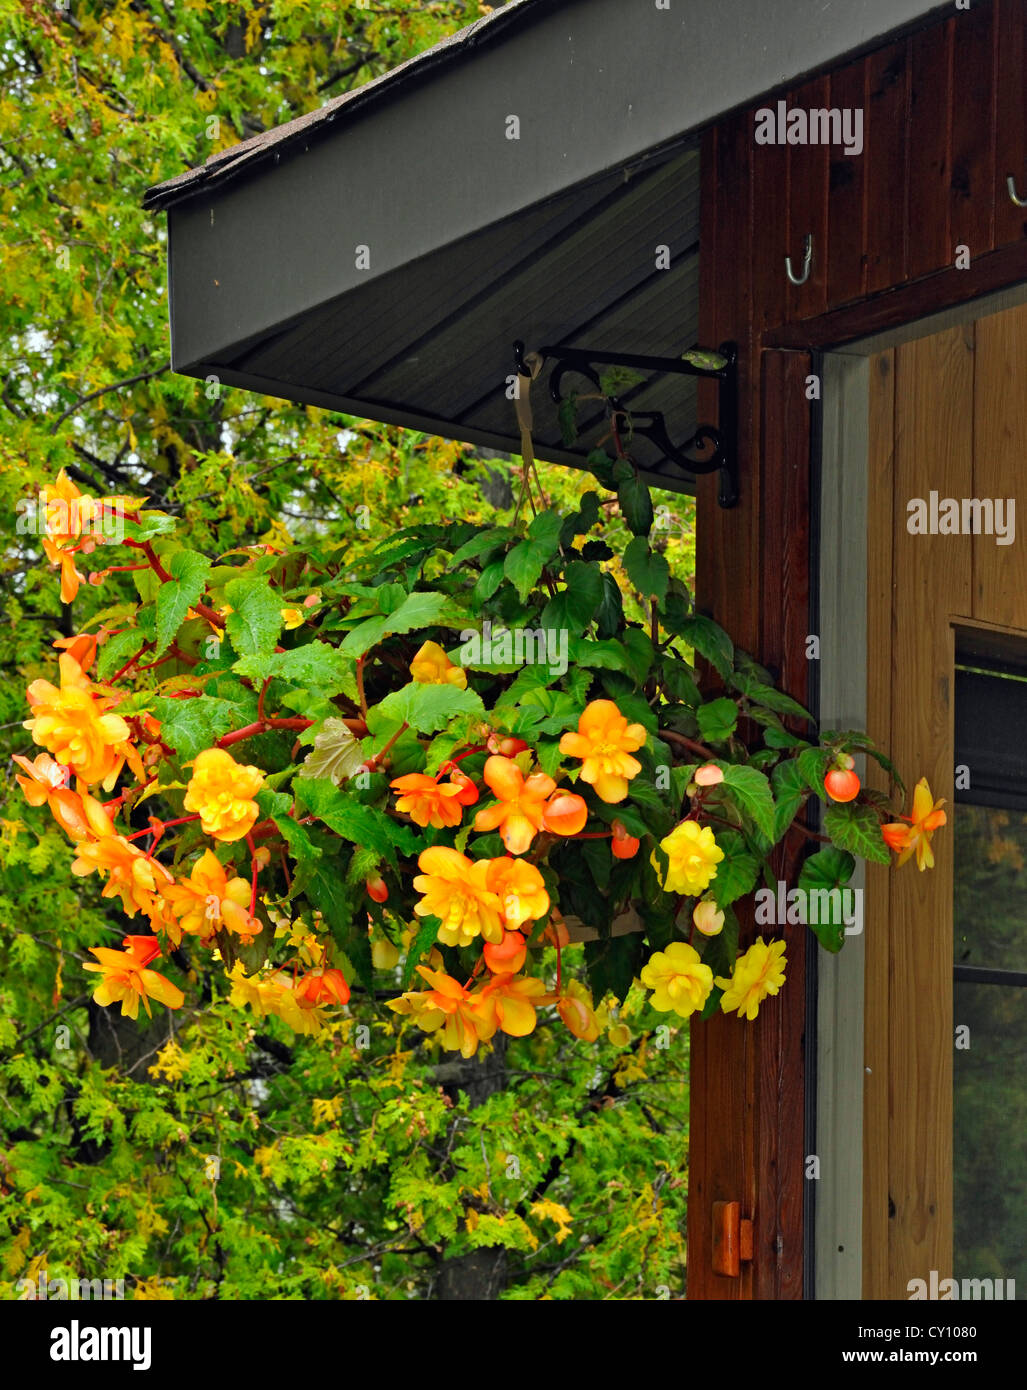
(990, 912)
(990, 1140)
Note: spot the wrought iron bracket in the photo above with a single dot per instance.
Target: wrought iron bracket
(720, 440)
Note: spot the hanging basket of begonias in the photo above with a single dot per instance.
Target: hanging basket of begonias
(423, 773)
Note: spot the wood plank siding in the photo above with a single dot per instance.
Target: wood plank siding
(945, 124)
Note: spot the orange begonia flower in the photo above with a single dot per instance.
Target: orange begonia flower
(605, 741)
(130, 875)
(222, 790)
(207, 901)
(456, 891)
(915, 835)
(44, 777)
(431, 666)
(520, 889)
(126, 977)
(578, 1012)
(71, 523)
(321, 987)
(521, 803)
(82, 648)
(448, 1005)
(428, 802)
(74, 725)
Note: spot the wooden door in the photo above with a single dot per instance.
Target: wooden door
(948, 416)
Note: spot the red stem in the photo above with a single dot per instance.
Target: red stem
(182, 820)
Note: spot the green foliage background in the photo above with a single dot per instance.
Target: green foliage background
(204, 1156)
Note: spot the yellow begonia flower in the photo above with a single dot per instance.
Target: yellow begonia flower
(694, 855)
(126, 977)
(577, 1012)
(756, 974)
(431, 666)
(130, 875)
(207, 901)
(74, 725)
(293, 617)
(222, 790)
(521, 891)
(678, 979)
(915, 835)
(456, 891)
(605, 741)
(450, 1007)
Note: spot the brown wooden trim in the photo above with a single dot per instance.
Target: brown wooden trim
(998, 270)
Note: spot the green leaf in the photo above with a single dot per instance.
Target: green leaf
(789, 787)
(189, 572)
(737, 871)
(428, 708)
(116, 651)
(636, 505)
(149, 525)
(255, 623)
(610, 613)
(362, 825)
(767, 696)
(296, 836)
(574, 607)
(335, 756)
(567, 417)
(190, 726)
(427, 934)
(648, 571)
(857, 828)
(524, 564)
(707, 361)
(315, 664)
(324, 887)
(600, 465)
(481, 544)
(717, 720)
(813, 766)
(488, 581)
(709, 640)
(419, 610)
(825, 871)
(721, 951)
(751, 792)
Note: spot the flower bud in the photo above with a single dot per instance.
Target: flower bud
(708, 917)
(709, 775)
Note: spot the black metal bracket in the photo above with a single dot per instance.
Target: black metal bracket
(721, 440)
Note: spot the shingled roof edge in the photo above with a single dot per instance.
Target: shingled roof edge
(228, 164)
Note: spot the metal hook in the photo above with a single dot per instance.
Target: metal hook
(1011, 186)
(807, 263)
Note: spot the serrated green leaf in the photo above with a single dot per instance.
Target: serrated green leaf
(481, 544)
(190, 726)
(813, 766)
(255, 623)
(418, 610)
(789, 788)
(315, 664)
(751, 792)
(116, 651)
(717, 720)
(710, 641)
(857, 829)
(341, 812)
(428, 708)
(189, 572)
(737, 871)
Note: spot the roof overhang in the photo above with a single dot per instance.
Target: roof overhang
(380, 255)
